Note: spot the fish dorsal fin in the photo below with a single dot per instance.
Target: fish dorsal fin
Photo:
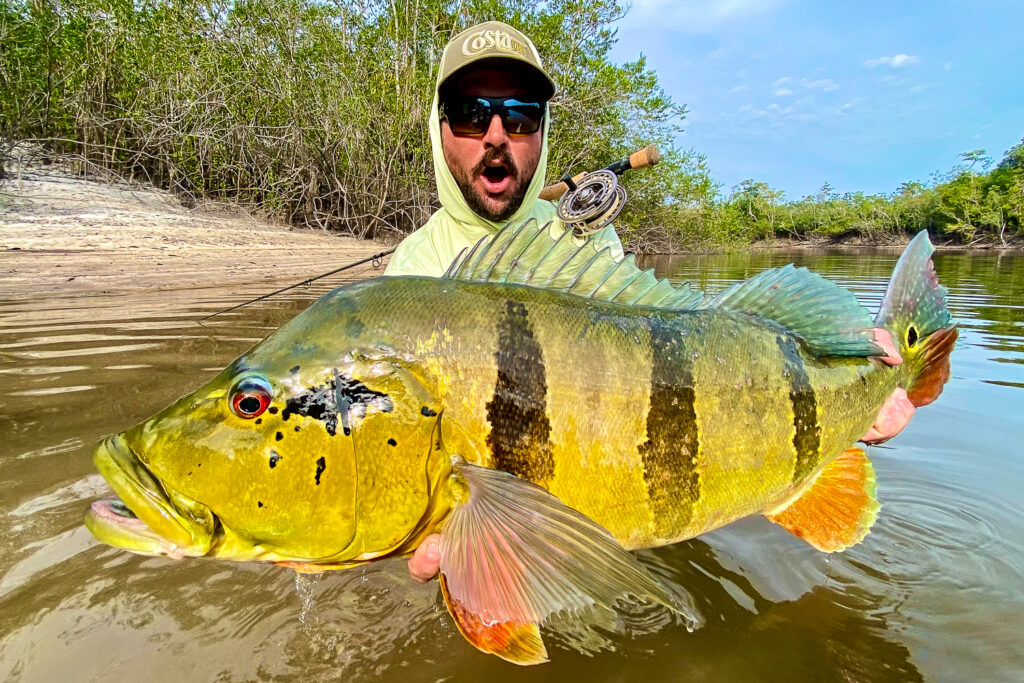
(826, 317)
(534, 255)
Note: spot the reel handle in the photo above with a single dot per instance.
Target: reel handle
(648, 156)
(553, 192)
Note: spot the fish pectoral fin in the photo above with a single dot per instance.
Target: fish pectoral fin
(512, 554)
(838, 509)
(519, 643)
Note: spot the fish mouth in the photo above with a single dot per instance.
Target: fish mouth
(147, 518)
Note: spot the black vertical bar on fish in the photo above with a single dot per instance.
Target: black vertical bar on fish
(517, 412)
(807, 437)
(670, 455)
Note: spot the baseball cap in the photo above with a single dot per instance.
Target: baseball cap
(493, 40)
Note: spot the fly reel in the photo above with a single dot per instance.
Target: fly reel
(592, 203)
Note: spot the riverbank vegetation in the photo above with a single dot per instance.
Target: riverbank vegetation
(316, 113)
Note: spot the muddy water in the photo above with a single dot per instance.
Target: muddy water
(935, 592)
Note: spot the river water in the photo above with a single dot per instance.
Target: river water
(935, 592)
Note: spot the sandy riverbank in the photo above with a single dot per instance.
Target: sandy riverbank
(62, 235)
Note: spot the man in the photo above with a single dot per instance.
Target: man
(489, 135)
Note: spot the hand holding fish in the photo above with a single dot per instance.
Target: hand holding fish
(883, 339)
(426, 560)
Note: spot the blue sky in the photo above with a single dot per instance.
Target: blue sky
(862, 95)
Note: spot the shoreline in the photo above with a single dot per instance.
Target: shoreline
(64, 235)
(859, 242)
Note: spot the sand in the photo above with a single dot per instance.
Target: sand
(64, 235)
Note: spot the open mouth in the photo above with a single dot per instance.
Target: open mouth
(144, 519)
(496, 178)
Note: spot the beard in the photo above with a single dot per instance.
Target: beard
(484, 205)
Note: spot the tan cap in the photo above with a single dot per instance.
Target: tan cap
(492, 40)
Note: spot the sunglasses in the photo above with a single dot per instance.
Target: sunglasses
(472, 115)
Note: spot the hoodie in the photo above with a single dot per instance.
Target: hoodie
(455, 227)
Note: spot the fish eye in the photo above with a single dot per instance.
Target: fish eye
(250, 397)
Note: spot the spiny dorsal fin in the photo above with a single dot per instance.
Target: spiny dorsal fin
(530, 254)
(821, 313)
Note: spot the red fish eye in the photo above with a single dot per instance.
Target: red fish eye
(250, 397)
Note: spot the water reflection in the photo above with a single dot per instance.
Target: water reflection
(925, 596)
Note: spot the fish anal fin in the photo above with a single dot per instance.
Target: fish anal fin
(519, 643)
(838, 509)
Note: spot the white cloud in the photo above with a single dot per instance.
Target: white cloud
(790, 83)
(823, 84)
(895, 61)
(738, 88)
(697, 16)
(947, 66)
(924, 86)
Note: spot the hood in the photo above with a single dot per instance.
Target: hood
(448, 190)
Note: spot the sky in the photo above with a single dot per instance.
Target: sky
(862, 95)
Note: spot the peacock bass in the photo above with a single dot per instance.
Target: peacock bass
(544, 407)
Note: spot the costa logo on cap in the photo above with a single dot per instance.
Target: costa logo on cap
(501, 41)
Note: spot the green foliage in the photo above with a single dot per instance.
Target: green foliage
(966, 205)
(316, 113)
(313, 112)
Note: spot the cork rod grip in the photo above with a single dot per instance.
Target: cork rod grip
(648, 156)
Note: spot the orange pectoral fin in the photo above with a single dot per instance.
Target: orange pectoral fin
(517, 643)
(838, 509)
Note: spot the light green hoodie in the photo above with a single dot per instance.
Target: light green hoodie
(454, 227)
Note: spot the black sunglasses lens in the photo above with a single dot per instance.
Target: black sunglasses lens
(522, 117)
(468, 116)
(472, 115)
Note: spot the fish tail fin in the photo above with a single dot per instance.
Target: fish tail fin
(914, 311)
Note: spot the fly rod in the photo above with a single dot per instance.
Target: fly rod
(305, 283)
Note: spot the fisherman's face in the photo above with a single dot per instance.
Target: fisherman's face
(493, 169)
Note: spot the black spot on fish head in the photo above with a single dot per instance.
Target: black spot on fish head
(321, 465)
(294, 370)
(275, 457)
(278, 436)
(259, 504)
(259, 420)
(298, 428)
(272, 410)
(426, 411)
(392, 442)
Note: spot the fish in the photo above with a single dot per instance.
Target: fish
(547, 410)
